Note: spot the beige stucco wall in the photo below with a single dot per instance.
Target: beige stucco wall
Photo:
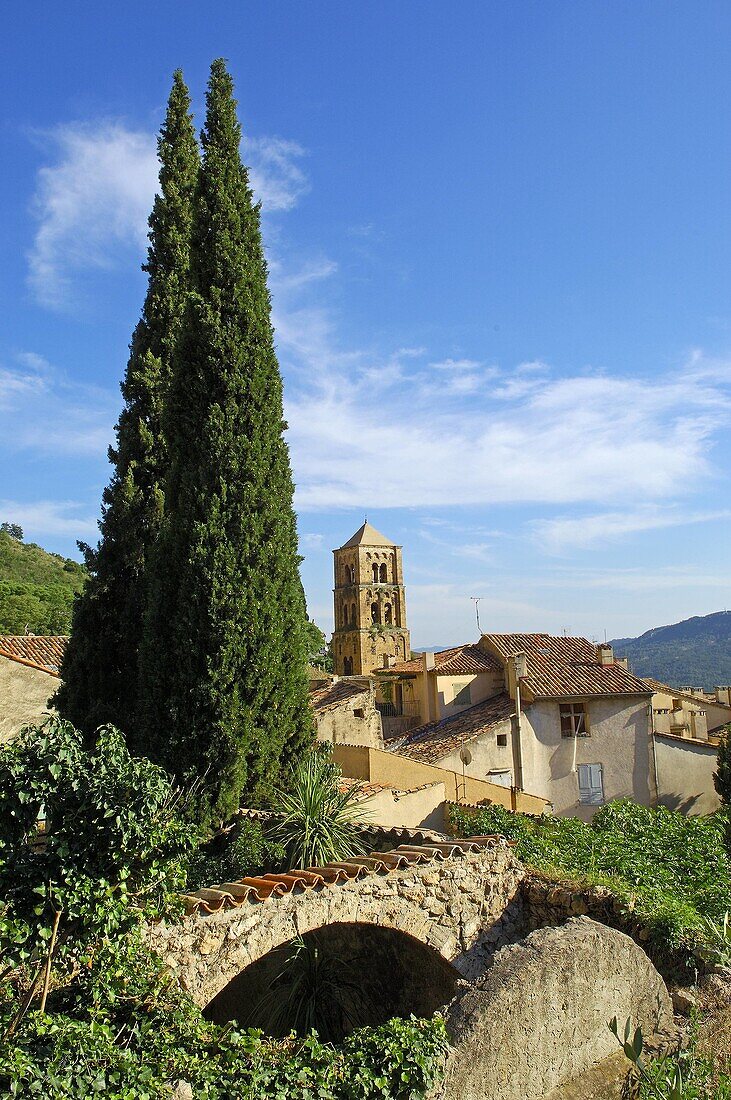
(487, 755)
(24, 694)
(482, 685)
(379, 766)
(619, 740)
(685, 775)
(342, 724)
(423, 808)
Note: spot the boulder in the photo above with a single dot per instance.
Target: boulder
(539, 1017)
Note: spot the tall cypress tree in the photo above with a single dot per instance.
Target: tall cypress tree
(224, 656)
(100, 665)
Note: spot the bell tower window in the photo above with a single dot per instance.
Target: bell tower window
(383, 574)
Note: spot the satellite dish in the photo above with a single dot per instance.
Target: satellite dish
(465, 756)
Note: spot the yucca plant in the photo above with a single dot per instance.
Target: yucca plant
(313, 989)
(319, 815)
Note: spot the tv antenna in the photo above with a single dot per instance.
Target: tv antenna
(476, 602)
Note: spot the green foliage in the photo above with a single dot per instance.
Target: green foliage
(89, 842)
(132, 1048)
(312, 991)
(13, 529)
(318, 653)
(683, 1075)
(100, 664)
(224, 655)
(722, 775)
(673, 871)
(319, 818)
(243, 851)
(37, 588)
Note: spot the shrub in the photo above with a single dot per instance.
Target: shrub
(319, 818)
(674, 871)
(243, 851)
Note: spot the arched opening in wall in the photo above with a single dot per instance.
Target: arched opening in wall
(375, 571)
(347, 666)
(383, 573)
(387, 615)
(375, 613)
(352, 615)
(335, 979)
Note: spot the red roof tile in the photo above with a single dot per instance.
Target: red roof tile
(335, 694)
(459, 660)
(228, 895)
(560, 668)
(43, 652)
(435, 740)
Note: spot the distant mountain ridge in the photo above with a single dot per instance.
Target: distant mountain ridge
(693, 653)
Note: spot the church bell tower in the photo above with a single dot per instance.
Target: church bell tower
(370, 605)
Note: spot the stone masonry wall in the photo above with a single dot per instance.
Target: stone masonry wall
(451, 906)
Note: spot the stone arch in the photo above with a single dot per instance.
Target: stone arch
(353, 615)
(375, 572)
(388, 615)
(383, 573)
(375, 612)
(347, 666)
(385, 973)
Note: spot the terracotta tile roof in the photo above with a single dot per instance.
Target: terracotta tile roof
(560, 668)
(334, 695)
(435, 740)
(712, 742)
(38, 651)
(657, 685)
(367, 536)
(369, 789)
(459, 660)
(229, 895)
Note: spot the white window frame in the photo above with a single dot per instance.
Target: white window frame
(590, 778)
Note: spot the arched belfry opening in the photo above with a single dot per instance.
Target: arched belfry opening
(337, 978)
(383, 573)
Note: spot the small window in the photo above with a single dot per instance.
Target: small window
(573, 720)
(462, 695)
(382, 572)
(591, 784)
(375, 613)
(359, 712)
(375, 571)
(502, 740)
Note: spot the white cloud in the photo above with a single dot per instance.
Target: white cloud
(408, 442)
(564, 534)
(49, 517)
(92, 204)
(40, 410)
(312, 541)
(94, 196)
(275, 172)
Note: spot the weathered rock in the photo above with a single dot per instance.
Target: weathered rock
(684, 1002)
(540, 1015)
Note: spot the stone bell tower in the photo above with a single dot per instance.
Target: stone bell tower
(370, 605)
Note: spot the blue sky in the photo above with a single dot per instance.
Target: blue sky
(500, 248)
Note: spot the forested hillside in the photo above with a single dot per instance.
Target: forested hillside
(36, 588)
(695, 652)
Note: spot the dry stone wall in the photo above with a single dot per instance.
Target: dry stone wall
(451, 906)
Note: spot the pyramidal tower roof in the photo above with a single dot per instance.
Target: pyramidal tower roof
(367, 536)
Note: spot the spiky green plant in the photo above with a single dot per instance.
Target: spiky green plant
(312, 990)
(319, 814)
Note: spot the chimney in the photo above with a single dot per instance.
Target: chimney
(428, 662)
(605, 654)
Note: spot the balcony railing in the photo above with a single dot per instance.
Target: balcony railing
(398, 710)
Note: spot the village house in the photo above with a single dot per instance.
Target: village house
(29, 670)
(559, 717)
(345, 710)
(686, 727)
